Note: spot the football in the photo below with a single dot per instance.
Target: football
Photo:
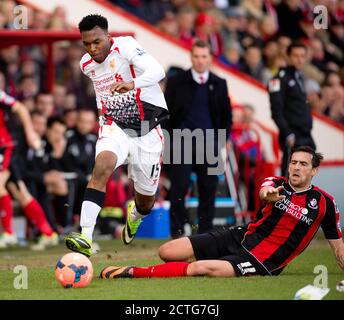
(340, 286)
(74, 270)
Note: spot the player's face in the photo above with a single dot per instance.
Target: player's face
(97, 43)
(301, 170)
(298, 57)
(201, 59)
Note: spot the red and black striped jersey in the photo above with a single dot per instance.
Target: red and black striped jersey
(283, 229)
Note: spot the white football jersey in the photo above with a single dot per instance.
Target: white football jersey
(127, 61)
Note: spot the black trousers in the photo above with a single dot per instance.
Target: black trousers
(179, 175)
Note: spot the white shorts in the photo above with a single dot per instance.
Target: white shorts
(142, 154)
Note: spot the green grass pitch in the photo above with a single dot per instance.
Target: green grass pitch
(42, 284)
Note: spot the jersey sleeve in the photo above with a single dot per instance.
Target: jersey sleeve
(331, 221)
(152, 71)
(6, 100)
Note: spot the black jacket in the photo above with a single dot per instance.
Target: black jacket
(289, 107)
(179, 94)
(81, 149)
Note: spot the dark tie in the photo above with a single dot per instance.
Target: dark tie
(299, 79)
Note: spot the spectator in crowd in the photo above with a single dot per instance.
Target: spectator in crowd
(247, 148)
(289, 107)
(169, 25)
(36, 174)
(336, 109)
(231, 55)
(27, 89)
(70, 117)
(11, 175)
(205, 30)
(81, 147)
(45, 104)
(283, 42)
(290, 15)
(234, 25)
(59, 96)
(186, 21)
(319, 56)
(252, 64)
(196, 98)
(271, 68)
(61, 173)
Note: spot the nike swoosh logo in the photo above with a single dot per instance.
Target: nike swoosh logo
(127, 235)
(83, 243)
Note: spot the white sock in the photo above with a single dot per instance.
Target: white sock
(89, 214)
(134, 215)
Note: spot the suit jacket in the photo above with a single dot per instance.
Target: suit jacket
(179, 94)
(289, 107)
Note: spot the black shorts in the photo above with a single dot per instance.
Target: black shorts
(226, 245)
(15, 169)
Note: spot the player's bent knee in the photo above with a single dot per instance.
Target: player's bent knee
(165, 252)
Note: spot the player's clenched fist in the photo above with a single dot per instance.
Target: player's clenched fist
(271, 194)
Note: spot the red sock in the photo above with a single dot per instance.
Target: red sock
(166, 270)
(35, 214)
(6, 213)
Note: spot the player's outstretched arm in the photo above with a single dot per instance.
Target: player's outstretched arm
(337, 247)
(271, 194)
(32, 137)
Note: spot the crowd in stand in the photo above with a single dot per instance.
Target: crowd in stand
(250, 36)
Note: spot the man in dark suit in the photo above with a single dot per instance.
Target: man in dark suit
(289, 106)
(197, 100)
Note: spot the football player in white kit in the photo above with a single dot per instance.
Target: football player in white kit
(131, 105)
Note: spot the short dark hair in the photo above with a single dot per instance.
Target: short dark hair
(55, 119)
(93, 20)
(201, 44)
(296, 44)
(316, 156)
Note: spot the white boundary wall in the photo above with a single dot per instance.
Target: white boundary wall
(329, 140)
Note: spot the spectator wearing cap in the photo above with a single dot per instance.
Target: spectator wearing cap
(205, 30)
(234, 24)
